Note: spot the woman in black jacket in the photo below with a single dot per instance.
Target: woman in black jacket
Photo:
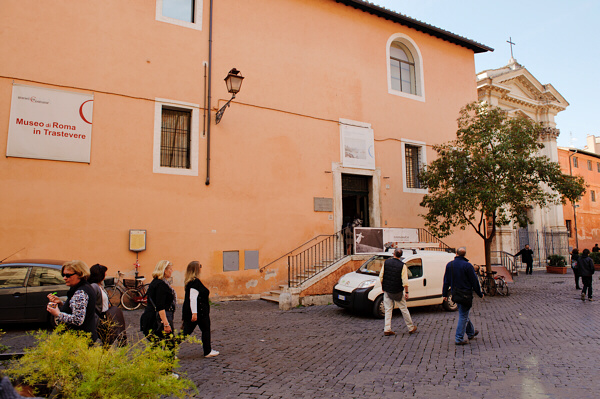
(575, 266)
(157, 320)
(196, 309)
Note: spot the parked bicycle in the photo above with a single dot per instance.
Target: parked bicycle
(135, 297)
(115, 288)
(136, 293)
(492, 284)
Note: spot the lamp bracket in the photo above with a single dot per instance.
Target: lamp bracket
(221, 111)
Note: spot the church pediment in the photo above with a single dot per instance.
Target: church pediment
(521, 86)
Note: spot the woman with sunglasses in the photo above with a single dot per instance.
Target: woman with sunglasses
(78, 312)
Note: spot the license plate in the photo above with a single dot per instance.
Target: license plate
(341, 297)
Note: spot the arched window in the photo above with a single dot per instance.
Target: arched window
(405, 68)
(402, 69)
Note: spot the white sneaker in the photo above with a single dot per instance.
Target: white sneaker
(212, 353)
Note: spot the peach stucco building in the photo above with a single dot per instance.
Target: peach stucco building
(582, 219)
(340, 104)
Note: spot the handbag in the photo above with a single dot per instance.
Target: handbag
(462, 297)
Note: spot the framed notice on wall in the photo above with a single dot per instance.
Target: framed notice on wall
(137, 240)
(50, 124)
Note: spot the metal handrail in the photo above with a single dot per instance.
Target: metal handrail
(297, 248)
(507, 261)
(315, 259)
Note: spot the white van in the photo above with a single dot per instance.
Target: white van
(361, 290)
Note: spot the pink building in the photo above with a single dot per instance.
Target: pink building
(107, 120)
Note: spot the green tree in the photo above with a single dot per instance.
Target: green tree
(491, 175)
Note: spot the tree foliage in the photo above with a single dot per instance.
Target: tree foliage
(491, 175)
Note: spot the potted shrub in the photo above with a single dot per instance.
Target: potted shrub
(596, 258)
(556, 264)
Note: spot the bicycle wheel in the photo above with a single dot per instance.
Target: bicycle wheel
(131, 299)
(501, 287)
(114, 295)
(144, 292)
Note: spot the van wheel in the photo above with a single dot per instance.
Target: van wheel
(449, 305)
(378, 308)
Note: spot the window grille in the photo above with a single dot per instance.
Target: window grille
(593, 196)
(589, 163)
(575, 162)
(568, 226)
(413, 165)
(175, 138)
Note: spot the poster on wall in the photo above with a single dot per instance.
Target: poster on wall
(372, 239)
(50, 124)
(358, 147)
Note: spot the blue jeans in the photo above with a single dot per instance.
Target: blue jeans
(464, 324)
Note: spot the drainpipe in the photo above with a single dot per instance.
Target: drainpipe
(574, 206)
(207, 182)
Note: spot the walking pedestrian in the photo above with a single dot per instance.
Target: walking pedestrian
(461, 279)
(527, 258)
(394, 282)
(195, 311)
(575, 266)
(586, 269)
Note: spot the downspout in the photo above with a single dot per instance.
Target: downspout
(207, 182)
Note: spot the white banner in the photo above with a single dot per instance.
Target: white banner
(50, 124)
(357, 147)
(374, 239)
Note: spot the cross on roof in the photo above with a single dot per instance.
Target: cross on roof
(509, 41)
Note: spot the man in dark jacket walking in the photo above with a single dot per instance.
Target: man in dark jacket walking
(527, 258)
(460, 276)
(394, 283)
(586, 269)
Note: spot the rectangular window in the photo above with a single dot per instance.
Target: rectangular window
(575, 162)
(412, 155)
(589, 163)
(593, 195)
(175, 138)
(186, 13)
(598, 165)
(568, 226)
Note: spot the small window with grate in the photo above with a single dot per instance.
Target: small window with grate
(589, 163)
(412, 158)
(575, 162)
(175, 138)
(593, 195)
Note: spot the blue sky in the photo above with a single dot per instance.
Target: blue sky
(555, 40)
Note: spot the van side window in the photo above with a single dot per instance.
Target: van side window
(415, 268)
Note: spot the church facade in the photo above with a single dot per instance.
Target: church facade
(516, 90)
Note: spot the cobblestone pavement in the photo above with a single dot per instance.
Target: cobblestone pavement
(540, 342)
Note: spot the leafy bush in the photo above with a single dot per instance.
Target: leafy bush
(595, 257)
(557, 260)
(66, 360)
(3, 348)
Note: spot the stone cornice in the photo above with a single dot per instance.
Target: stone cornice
(549, 133)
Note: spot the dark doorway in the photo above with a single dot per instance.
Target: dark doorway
(355, 198)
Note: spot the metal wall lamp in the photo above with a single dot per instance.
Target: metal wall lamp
(234, 83)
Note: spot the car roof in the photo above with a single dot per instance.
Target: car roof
(54, 263)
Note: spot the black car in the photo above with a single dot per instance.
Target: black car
(24, 287)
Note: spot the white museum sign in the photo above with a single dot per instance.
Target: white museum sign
(50, 124)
